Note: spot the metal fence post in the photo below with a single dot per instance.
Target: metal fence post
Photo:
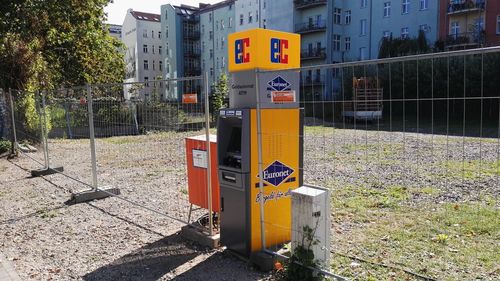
(45, 133)
(13, 123)
(259, 150)
(92, 137)
(209, 155)
(39, 109)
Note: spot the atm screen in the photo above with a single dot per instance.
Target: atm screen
(233, 155)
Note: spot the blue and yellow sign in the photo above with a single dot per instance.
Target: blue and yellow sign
(264, 49)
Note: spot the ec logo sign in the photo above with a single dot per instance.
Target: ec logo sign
(241, 55)
(278, 47)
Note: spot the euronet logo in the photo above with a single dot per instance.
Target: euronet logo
(276, 173)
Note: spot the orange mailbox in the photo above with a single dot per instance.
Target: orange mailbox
(196, 153)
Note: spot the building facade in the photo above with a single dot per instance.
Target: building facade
(181, 58)
(142, 39)
(469, 23)
(115, 31)
(217, 21)
(267, 14)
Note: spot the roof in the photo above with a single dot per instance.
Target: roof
(146, 16)
(216, 5)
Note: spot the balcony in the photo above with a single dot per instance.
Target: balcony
(190, 52)
(314, 53)
(465, 40)
(312, 81)
(459, 7)
(304, 4)
(312, 26)
(192, 34)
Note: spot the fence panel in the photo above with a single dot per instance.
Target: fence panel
(408, 148)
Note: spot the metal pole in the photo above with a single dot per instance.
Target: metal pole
(39, 109)
(209, 156)
(259, 150)
(45, 132)
(92, 137)
(13, 122)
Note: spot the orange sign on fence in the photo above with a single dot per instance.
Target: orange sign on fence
(283, 96)
(189, 98)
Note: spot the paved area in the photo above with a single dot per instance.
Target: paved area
(7, 272)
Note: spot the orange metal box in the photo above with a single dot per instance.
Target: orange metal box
(196, 153)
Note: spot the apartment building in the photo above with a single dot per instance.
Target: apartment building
(181, 55)
(217, 21)
(469, 23)
(142, 39)
(268, 14)
(114, 30)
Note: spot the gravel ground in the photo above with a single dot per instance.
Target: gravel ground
(110, 239)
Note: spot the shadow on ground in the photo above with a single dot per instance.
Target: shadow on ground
(148, 263)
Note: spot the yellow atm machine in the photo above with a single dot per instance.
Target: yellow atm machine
(237, 143)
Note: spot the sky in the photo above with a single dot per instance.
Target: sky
(116, 11)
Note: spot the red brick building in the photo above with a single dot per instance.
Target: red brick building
(467, 24)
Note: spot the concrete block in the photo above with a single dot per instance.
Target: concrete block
(46, 171)
(91, 195)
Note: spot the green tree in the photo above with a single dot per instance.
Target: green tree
(220, 92)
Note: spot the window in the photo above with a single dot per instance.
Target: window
(217, 43)
(348, 17)
(221, 24)
(264, 23)
(159, 50)
(498, 24)
(362, 53)
(241, 19)
(211, 71)
(405, 32)
(160, 65)
(222, 43)
(250, 17)
(202, 28)
(211, 53)
(154, 66)
(145, 33)
(223, 62)
(405, 9)
(230, 7)
(455, 29)
(211, 35)
(203, 46)
(146, 65)
(166, 31)
(146, 79)
(159, 34)
(264, 4)
(387, 9)
(363, 28)
(152, 34)
(348, 43)
(256, 15)
(424, 28)
(209, 17)
(217, 63)
(230, 23)
(203, 65)
(217, 25)
(336, 42)
(337, 14)
(424, 4)
(387, 34)
(364, 3)
(145, 49)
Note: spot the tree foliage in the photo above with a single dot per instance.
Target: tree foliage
(49, 42)
(220, 92)
(396, 47)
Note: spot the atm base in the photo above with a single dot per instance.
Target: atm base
(200, 236)
(262, 260)
(91, 195)
(46, 171)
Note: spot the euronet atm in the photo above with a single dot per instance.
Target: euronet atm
(237, 144)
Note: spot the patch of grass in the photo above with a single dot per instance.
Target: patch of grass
(48, 214)
(470, 170)
(318, 130)
(122, 140)
(184, 191)
(449, 241)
